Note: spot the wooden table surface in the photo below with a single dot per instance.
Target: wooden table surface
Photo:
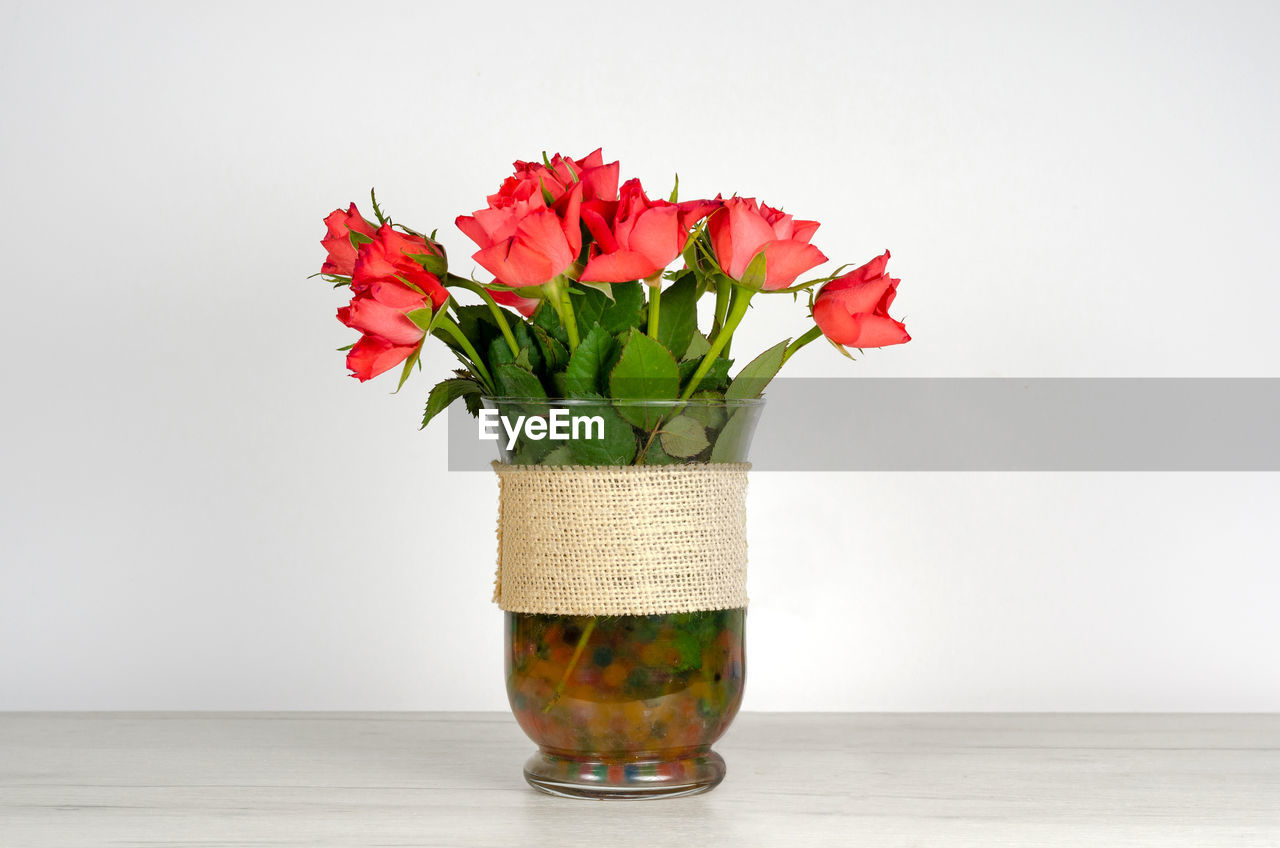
(811, 779)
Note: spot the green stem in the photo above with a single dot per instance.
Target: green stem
(570, 322)
(655, 306)
(498, 313)
(557, 291)
(723, 290)
(733, 304)
(737, 310)
(573, 663)
(812, 333)
(454, 330)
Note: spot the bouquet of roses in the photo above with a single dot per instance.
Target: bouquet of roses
(582, 303)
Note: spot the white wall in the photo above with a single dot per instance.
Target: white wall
(200, 510)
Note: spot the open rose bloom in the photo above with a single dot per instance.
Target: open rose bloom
(566, 256)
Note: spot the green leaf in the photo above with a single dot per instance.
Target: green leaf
(627, 309)
(499, 352)
(511, 380)
(683, 436)
(446, 392)
(477, 324)
(422, 317)
(545, 317)
(408, 366)
(618, 447)
(560, 456)
(709, 415)
(646, 370)
(731, 444)
(437, 265)
(675, 190)
(716, 378)
(527, 344)
(754, 276)
(357, 239)
(698, 346)
(679, 318)
(655, 455)
(555, 356)
(757, 373)
(588, 305)
(586, 365)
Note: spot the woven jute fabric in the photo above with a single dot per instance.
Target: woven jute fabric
(629, 540)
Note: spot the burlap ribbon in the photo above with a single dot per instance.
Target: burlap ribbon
(629, 540)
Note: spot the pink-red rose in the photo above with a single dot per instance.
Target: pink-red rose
(599, 181)
(522, 241)
(635, 237)
(337, 241)
(388, 259)
(853, 309)
(742, 229)
(388, 337)
(387, 283)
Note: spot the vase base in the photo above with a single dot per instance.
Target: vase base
(624, 781)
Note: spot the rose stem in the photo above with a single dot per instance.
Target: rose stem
(476, 362)
(573, 662)
(655, 306)
(809, 335)
(454, 280)
(737, 310)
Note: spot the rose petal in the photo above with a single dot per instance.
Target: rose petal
(372, 356)
(786, 260)
(619, 267)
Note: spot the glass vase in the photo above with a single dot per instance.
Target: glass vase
(627, 706)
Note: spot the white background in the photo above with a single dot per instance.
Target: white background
(200, 510)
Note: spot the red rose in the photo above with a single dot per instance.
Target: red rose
(599, 181)
(853, 310)
(373, 355)
(742, 229)
(388, 259)
(522, 241)
(388, 335)
(636, 237)
(342, 253)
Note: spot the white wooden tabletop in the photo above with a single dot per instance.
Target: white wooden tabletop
(453, 779)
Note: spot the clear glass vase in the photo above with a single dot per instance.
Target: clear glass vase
(627, 706)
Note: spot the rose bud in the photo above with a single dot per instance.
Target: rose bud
(853, 310)
(342, 253)
(389, 259)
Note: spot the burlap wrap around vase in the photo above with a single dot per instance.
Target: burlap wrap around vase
(621, 540)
